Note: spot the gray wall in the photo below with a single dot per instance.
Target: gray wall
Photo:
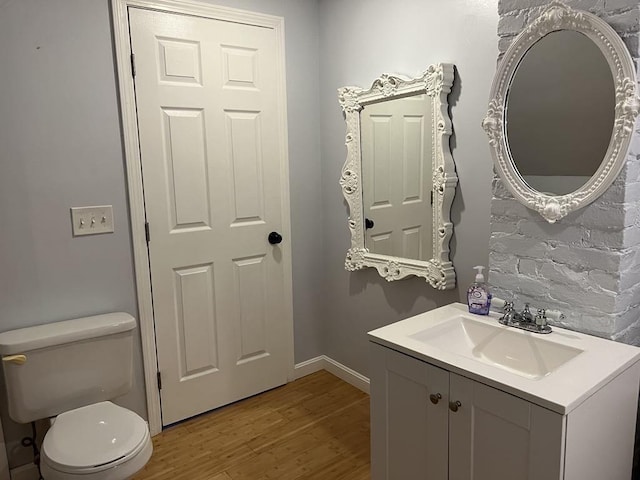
(61, 147)
(359, 41)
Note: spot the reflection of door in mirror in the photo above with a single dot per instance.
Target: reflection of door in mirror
(397, 182)
(560, 112)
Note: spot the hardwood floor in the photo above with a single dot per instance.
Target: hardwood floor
(314, 428)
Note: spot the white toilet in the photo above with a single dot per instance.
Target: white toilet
(69, 370)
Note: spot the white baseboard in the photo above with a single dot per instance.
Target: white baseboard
(308, 367)
(25, 472)
(348, 375)
(341, 371)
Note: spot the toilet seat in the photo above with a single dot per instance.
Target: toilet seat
(94, 441)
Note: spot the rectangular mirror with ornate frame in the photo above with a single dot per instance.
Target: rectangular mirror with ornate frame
(399, 178)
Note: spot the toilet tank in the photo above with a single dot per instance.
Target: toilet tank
(67, 364)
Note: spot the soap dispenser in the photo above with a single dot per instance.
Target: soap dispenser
(478, 295)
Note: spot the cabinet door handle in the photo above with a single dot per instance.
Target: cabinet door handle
(435, 398)
(454, 406)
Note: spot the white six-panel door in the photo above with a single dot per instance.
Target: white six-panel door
(396, 149)
(211, 150)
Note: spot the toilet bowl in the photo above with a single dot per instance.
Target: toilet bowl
(71, 370)
(101, 441)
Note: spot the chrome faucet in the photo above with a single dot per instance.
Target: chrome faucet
(509, 315)
(525, 320)
(526, 316)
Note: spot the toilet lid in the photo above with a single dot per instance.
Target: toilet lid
(93, 436)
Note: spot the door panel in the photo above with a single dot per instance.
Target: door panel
(179, 61)
(195, 320)
(243, 129)
(212, 161)
(186, 157)
(251, 281)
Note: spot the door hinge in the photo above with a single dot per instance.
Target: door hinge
(431, 197)
(159, 380)
(133, 64)
(147, 232)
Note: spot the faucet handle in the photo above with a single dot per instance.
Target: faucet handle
(542, 326)
(555, 315)
(497, 304)
(526, 314)
(508, 314)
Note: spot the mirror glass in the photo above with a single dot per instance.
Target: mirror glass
(560, 112)
(397, 151)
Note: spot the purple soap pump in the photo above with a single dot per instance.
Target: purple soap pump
(478, 296)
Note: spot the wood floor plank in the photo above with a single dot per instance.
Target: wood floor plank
(222, 476)
(314, 428)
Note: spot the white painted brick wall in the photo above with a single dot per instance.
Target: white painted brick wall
(588, 264)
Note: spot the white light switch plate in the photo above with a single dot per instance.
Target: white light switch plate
(92, 220)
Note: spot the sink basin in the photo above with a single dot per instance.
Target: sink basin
(558, 371)
(519, 352)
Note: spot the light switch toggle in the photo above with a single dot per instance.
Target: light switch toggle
(92, 220)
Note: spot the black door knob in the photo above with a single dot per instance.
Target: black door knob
(275, 238)
(368, 223)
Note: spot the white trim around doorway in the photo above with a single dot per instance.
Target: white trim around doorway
(120, 21)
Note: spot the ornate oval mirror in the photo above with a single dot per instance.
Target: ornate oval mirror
(563, 107)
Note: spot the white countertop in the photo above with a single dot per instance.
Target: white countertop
(561, 391)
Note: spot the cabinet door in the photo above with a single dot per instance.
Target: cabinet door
(408, 430)
(496, 436)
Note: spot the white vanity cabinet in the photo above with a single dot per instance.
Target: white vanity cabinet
(419, 432)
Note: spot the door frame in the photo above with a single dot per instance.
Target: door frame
(129, 118)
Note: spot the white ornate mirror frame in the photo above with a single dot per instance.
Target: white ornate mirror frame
(561, 17)
(436, 82)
